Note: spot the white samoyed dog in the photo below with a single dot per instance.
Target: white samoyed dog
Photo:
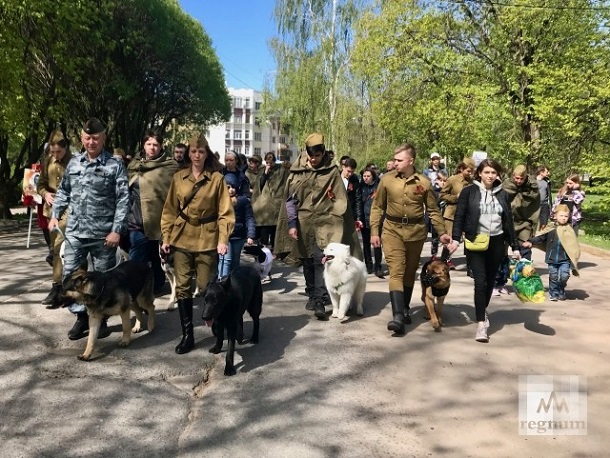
(345, 278)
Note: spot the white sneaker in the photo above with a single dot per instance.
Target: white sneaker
(496, 292)
(503, 290)
(481, 335)
(486, 321)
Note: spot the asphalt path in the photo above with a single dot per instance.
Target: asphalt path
(310, 388)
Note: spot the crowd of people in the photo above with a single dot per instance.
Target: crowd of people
(184, 201)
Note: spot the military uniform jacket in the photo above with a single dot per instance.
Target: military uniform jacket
(50, 178)
(408, 198)
(252, 177)
(95, 195)
(324, 215)
(211, 201)
(525, 206)
(450, 193)
(268, 199)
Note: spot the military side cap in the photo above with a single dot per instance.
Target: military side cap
(56, 137)
(470, 163)
(198, 141)
(520, 171)
(93, 126)
(314, 140)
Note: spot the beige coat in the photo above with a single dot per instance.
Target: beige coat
(212, 199)
(50, 177)
(451, 192)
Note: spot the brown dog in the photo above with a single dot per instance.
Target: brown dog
(435, 283)
(129, 286)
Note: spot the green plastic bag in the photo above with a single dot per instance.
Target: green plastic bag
(526, 281)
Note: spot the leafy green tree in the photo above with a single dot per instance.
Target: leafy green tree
(522, 80)
(134, 64)
(313, 55)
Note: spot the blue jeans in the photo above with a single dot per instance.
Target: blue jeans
(143, 250)
(230, 261)
(75, 256)
(558, 279)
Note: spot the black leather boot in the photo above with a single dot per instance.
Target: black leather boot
(309, 276)
(185, 308)
(53, 299)
(397, 298)
(80, 328)
(408, 291)
(49, 257)
(378, 271)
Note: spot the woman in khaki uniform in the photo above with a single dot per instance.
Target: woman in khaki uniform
(450, 193)
(196, 222)
(402, 196)
(52, 173)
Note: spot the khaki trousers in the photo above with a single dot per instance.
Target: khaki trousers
(185, 262)
(402, 258)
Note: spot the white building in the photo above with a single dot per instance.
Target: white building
(247, 133)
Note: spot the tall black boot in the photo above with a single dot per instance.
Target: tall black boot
(53, 299)
(408, 291)
(185, 308)
(80, 328)
(377, 266)
(47, 239)
(310, 283)
(397, 298)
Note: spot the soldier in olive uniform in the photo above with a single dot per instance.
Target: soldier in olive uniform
(316, 212)
(48, 183)
(403, 196)
(95, 194)
(253, 172)
(196, 222)
(268, 197)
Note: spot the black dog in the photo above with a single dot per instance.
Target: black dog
(224, 305)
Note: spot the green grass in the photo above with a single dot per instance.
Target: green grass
(596, 224)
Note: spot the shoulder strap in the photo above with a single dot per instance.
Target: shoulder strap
(191, 196)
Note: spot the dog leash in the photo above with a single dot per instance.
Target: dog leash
(222, 264)
(57, 229)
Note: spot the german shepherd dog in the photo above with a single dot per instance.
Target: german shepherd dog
(167, 264)
(128, 286)
(224, 304)
(435, 283)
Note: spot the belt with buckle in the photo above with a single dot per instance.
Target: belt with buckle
(198, 221)
(404, 220)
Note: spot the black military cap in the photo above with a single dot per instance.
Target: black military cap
(94, 126)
